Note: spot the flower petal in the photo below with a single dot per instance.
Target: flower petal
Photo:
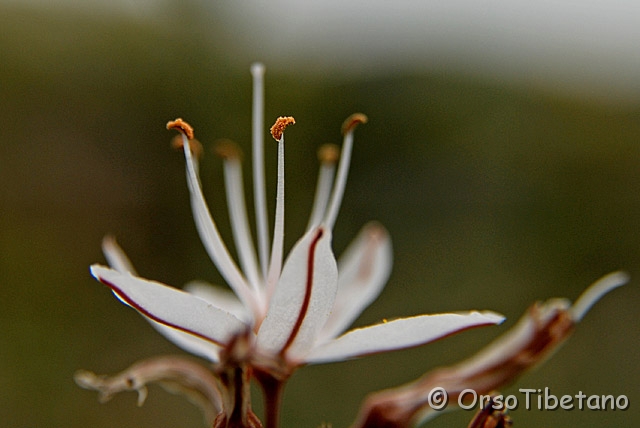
(170, 306)
(398, 334)
(116, 256)
(188, 342)
(219, 297)
(363, 270)
(119, 261)
(303, 297)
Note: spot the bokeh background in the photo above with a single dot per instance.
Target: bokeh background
(502, 154)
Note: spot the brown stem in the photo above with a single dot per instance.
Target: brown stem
(272, 389)
(237, 411)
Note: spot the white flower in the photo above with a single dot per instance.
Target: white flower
(294, 312)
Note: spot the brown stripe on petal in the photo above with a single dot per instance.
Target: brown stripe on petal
(151, 316)
(307, 294)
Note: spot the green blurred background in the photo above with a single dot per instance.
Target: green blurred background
(497, 192)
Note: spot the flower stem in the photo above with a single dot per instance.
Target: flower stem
(272, 389)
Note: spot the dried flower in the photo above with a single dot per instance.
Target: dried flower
(539, 333)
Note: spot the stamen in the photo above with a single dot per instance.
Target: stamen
(275, 266)
(227, 149)
(281, 124)
(194, 145)
(352, 121)
(207, 228)
(343, 168)
(177, 142)
(182, 127)
(259, 187)
(232, 156)
(328, 155)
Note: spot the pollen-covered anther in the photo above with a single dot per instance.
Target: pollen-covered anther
(375, 231)
(328, 153)
(281, 123)
(352, 121)
(195, 145)
(227, 149)
(181, 126)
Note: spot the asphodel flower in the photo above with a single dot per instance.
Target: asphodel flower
(288, 313)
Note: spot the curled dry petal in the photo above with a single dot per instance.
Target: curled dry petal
(176, 374)
(500, 363)
(542, 329)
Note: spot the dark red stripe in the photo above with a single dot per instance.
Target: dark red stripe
(149, 315)
(307, 294)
